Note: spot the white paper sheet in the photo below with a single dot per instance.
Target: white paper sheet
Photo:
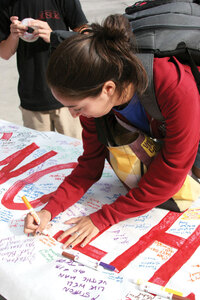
(34, 164)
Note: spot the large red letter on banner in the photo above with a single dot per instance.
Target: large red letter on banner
(12, 162)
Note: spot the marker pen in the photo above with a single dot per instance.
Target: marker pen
(108, 267)
(91, 263)
(158, 290)
(76, 258)
(31, 210)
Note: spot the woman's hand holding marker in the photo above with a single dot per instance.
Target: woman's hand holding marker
(30, 225)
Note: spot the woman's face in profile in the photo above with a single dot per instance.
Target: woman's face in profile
(89, 107)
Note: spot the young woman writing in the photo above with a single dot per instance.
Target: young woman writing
(97, 75)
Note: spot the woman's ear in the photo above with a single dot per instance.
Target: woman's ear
(109, 88)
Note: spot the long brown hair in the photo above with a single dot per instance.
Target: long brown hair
(80, 65)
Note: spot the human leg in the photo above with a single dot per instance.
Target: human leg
(64, 123)
(38, 120)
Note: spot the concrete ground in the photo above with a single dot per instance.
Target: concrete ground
(95, 10)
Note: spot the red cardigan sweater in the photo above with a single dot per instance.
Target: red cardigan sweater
(179, 101)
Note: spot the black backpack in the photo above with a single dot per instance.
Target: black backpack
(165, 28)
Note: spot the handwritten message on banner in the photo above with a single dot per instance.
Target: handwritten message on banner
(161, 246)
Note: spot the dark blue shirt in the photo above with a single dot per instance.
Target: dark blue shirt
(134, 112)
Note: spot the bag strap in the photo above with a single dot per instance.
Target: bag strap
(103, 130)
(148, 99)
(194, 69)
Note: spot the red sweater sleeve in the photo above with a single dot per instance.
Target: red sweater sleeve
(178, 98)
(84, 175)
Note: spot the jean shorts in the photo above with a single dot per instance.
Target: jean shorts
(197, 160)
